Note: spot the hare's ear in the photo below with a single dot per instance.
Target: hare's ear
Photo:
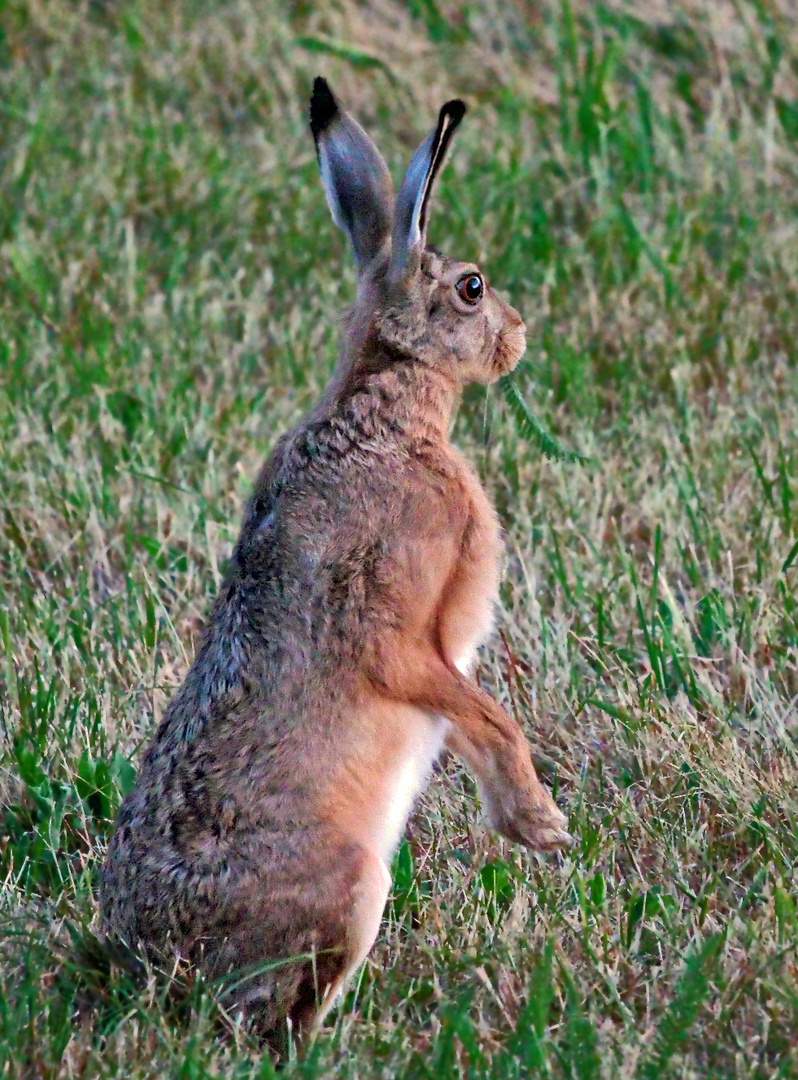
(356, 179)
(412, 203)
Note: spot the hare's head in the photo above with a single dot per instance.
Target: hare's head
(412, 300)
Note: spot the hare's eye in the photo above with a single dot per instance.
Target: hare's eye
(470, 288)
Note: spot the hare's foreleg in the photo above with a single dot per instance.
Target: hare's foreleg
(494, 746)
(523, 812)
(487, 738)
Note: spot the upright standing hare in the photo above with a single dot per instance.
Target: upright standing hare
(257, 841)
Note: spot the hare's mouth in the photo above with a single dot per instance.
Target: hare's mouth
(509, 348)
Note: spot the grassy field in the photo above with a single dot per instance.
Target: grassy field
(170, 282)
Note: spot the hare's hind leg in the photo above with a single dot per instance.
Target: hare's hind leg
(369, 897)
(294, 937)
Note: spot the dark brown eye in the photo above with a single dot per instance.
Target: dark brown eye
(470, 289)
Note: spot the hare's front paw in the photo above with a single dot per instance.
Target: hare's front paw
(533, 821)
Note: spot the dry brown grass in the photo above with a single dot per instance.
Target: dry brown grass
(169, 285)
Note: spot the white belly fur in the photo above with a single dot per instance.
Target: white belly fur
(408, 778)
(410, 775)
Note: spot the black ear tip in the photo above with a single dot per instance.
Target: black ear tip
(455, 110)
(323, 107)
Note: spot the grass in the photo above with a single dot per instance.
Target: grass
(169, 287)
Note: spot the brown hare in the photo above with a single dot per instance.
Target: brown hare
(257, 841)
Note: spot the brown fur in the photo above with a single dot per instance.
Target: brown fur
(279, 779)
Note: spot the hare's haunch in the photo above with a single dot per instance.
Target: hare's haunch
(335, 666)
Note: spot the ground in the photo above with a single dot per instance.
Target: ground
(170, 284)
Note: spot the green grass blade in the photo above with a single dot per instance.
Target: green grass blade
(692, 990)
(579, 1049)
(532, 428)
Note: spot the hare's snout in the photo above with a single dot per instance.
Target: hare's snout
(510, 346)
